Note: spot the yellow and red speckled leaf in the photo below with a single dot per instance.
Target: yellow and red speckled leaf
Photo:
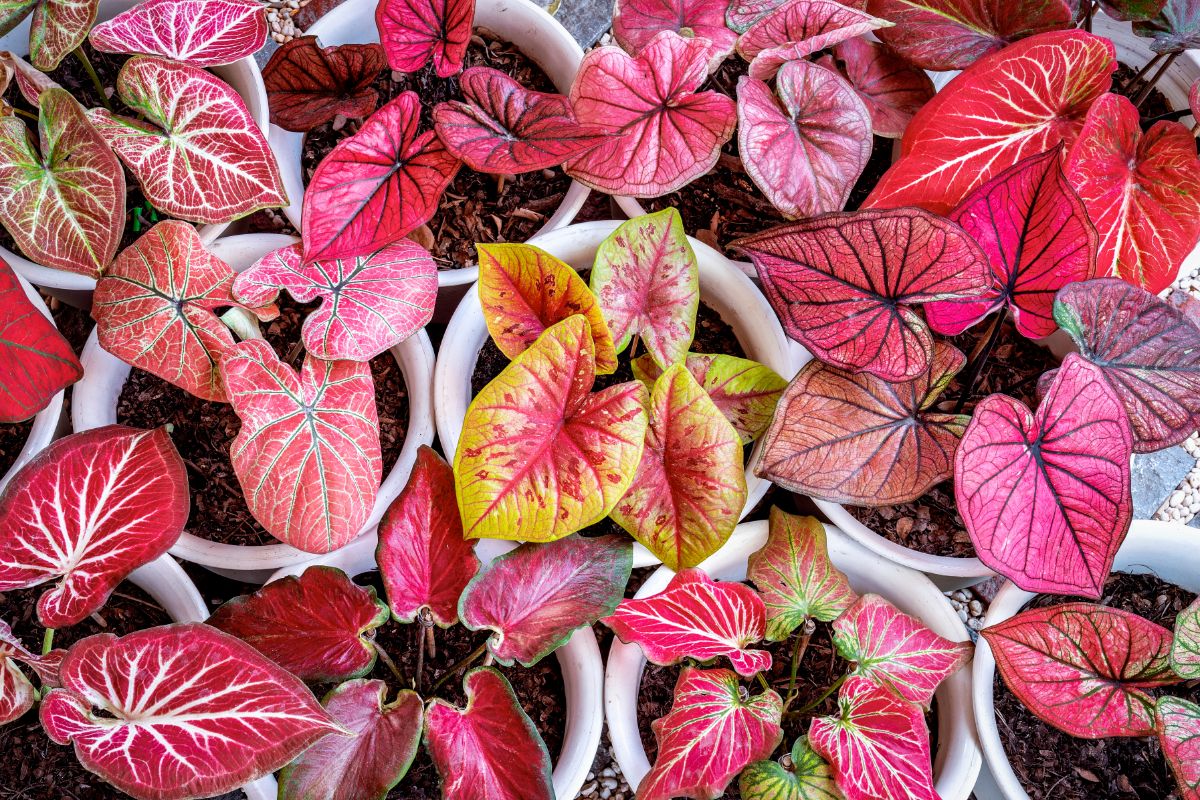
(308, 85)
(636, 22)
(57, 27)
(203, 33)
(799, 28)
(1185, 645)
(17, 694)
(892, 88)
(808, 777)
(414, 31)
(1178, 724)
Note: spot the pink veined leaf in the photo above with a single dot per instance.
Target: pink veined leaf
(1175, 28)
(88, 510)
(30, 81)
(17, 694)
(376, 186)
(307, 455)
(423, 558)
(1046, 496)
(223, 715)
(710, 734)
(200, 157)
(1084, 668)
(696, 617)
(636, 22)
(663, 133)
(844, 284)
(1185, 644)
(57, 27)
(535, 597)
(203, 33)
(372, 761)
(309, 85)
(319, 626)
(806, 155)
(744, 13)
(489, 749)
(414, 31)
(892, 89)
(799, 28)
(1178, 725)
(507, 129)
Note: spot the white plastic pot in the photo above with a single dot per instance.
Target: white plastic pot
(1168, 550)
(722, 286)
(578, 660)
(956, 761)
(95, 404)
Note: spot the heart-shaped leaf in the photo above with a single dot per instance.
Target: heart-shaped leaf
(696, 617)
(1084, 668)
(180, 711)
(308, 85)
(1007, 106)
(1174, 29)
(647, 281)
(710, 734)
(663, 133)
(1046, 496)
(505, 128)
(536, 596)
(892, 89)
(423, 558)
(690, 486)
(744, 13)
(307, 455)
(799, 28)
(318, 626)
(489, 749)
(805, 156)
(203, 33)
(636, 22)
(206, 161)
(414, 31)
(64, 206)
(90, 509)
(524, 290)
(794, 576)
(1126, 10)
(1178, 724)
(807, 778)
(558, 460)
(57, 27)
(376, 186)
(17, 694)
(369, 763)
(1185, 645)
(30, 82)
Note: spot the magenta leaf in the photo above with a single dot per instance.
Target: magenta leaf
(799, 28)
(1185, 644)
(309, 85)
(203, 33)
(414, 31)
(17, 694)
(892, 89)
(1175, 28)
(636, 22)
(1178, 724)
(57, 27)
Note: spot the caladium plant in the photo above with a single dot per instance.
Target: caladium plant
(798, 28)
(636, 22)
(203, 33)
(17, 694)
(892, 88)
(57, 26)
(308, 85)
(413, 32)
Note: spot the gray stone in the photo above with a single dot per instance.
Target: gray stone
(1155, 476)
(587, 20)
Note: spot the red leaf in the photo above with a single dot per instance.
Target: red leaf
(57, 27)
(377, 185)
(90, 509)
(1178, 724)
(1012, 104)
(423, 558)
(799, 28)
(489, 749)
(1046, 497)
(696, 617)
(892, 88)
(308, 85)
(1174, 29)
(663, 133)
(36, 362)
(1083, 668)
(413, 31)
(17, 694)
(636, 22)
(1126, 10)
(203, 33)
(181, 711)
(843, 284)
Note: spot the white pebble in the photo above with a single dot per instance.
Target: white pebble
(976, 608)
(957, 604)
(962, 614)
(588, 789)
(975, 624)
(608, 772)
(591, 776)
(961, 594)
(609, 783)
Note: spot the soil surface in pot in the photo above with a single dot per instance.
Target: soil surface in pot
(1053, 765)
(12, 438)
(475, 207)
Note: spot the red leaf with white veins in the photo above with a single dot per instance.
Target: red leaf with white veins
(309, 85)
(636, 22)
(57, 27)
(1178, 724)
(17, 694)
(414, 31)
(307, 455)
(696, 617)
(203, 33)
(180, 711)
(892, 88)
(799, 28)
(90, 509)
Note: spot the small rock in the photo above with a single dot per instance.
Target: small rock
(588, 789)
(976, 608)
(961, 594)
(608, 772)
(975, 623)
(609, 783)
(962, 614)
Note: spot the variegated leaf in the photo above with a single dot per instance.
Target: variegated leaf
(57, 28)
(808, 777)
(1185, 643)
(17, 694)
(203, 33)
(1178, 724)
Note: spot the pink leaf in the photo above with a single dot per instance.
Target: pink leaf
(17, 694)
(892, 88)
(57, 27)
(799, 28)
(203, 33)
(1178, 724)
(309, 85)
(89, 509)
(180, 711)
(744, 13)
(413, 31)
(636, 22)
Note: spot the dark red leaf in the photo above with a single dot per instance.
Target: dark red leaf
(892, 88)
(1126, 10)
(1174, 29)
(308, 85)
(413, 31)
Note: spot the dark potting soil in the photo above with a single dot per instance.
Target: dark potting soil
(475, 207)
(12, 439)
(1053, 765)
(1155, 103)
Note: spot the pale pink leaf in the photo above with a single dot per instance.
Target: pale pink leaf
(203, 33)
(636, 22)
(799, 28)
(744, 13)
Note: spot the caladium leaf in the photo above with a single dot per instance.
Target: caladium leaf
(64, 206)
(1185, 646)
(423, 558)
(369, 763)
(376, 186)
(308, 85)
(536, 596)
(807, 778)
(1178, 724)
(647, 281)
(794, 576)
(203, 33)
(710, 734)
(88, 510)
(663, 133)
(1009, 105)
(560, 459)
(180, 711)
(17, 694)
(414, 31)
(892, 89)
(636, 22)
(806, 155)
(30, 81)
(799, 28)
(696, 617)
(690, 486)
(1127, 10)
(57, 28)
(203, 159)
(843, 284)
(744, 13)
(1175, 28)
(307, 455)
(318, 626)
(507, 129)
(1084, 668)
(489, 749)
(524, 290)
(1045, 496)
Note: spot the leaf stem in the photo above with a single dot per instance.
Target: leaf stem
(47, 641)
(91, 71)
(391, 665)
(1087, 20)
(1145, 92)
(420, 660)
(763, 682)
(26, 114)
(633, 347)
(1127, 87)
(824, 696)
(806, 633)
(474, 654)
(978, 359)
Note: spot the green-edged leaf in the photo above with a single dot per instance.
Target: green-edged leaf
(58, 26)
(1185, 646)
(1178, 724)
(807, 777)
